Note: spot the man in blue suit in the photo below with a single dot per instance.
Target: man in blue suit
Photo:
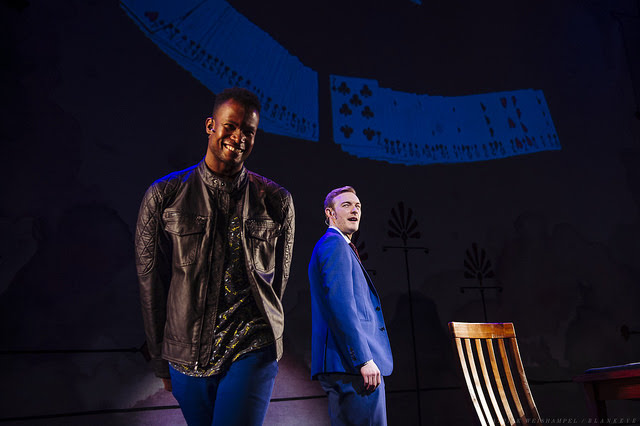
(350, 348)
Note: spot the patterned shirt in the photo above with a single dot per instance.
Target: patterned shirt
(239, 324)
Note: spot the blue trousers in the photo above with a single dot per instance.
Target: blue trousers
(349, 402)
(239, 396)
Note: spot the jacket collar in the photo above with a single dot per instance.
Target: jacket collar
(334, 229)
(216, 182)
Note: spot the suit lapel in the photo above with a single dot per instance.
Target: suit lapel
(364, 271)
(355, 259)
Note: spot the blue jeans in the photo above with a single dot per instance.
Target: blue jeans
(239, 396)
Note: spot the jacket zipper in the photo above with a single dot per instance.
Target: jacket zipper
(195, 367)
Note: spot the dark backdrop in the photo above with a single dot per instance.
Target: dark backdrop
(93, 112)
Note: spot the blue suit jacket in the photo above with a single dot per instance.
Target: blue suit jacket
(348, 328)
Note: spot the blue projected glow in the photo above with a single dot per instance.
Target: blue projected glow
(222, 48)
(406, 128)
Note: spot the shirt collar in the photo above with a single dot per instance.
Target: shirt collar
(343, 236)
(214, 181)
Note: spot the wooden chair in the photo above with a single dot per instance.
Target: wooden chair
(475, 345)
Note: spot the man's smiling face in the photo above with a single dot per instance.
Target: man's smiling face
(231, 133)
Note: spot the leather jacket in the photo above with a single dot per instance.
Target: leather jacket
(176, 262)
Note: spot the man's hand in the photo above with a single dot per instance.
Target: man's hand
(371, 375)
(167, 384)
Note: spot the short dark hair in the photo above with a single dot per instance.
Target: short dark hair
(328, 201)
(246, 97)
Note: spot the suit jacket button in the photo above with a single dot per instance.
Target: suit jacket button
(381, 328)
(377, 308)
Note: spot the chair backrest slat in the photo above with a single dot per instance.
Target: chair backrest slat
(470, 336)
(499, 385)
(487, 380)
(523, 378)
(476, 381)
(467, 379)
(512, 385)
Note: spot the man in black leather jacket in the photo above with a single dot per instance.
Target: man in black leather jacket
(213, 251)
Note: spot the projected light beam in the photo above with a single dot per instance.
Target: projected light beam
(411, 129)
(222, 48)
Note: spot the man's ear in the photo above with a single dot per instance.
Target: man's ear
(328, 212)
(209, 125)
